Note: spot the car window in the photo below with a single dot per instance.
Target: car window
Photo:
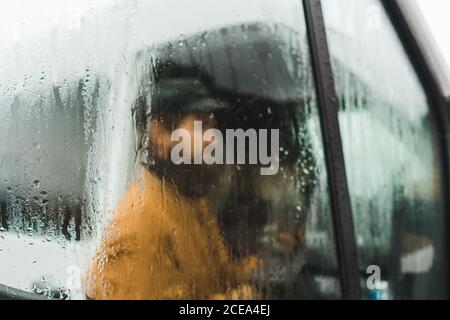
(392, 154)
(99, 201)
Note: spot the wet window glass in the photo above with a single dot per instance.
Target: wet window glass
(392, 154)
(152, 153)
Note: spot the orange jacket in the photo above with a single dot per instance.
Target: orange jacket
(160, 245)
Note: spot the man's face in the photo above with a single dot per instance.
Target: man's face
(160, 135)
(191, 179)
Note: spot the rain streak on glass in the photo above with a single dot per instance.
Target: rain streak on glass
(90, 93)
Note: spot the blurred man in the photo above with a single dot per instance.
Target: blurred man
(205, 231)
(164, 242)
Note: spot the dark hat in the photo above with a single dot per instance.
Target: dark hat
(254, 60)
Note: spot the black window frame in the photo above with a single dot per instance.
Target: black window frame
(328, 110)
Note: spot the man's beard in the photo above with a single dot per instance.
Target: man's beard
(190, 180)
